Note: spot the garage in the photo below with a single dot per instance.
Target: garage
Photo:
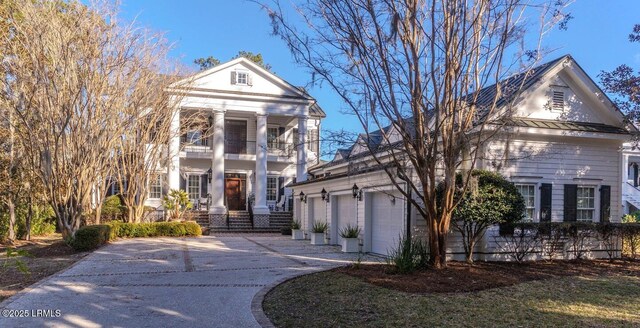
(387, 221)
(319, 213)
(345, 214)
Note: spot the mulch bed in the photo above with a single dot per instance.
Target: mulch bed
(47, 255)
(461, 277)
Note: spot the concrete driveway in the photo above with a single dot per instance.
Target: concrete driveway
(170, 282)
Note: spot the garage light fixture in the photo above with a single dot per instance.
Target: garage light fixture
(303, 197)
(356, 192)
(323, 194)
(209, 174)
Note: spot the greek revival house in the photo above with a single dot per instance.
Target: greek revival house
(262, 134)
(562, 148)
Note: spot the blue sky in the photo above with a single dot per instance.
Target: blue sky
(597, 38)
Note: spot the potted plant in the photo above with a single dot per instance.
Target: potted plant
(317, 233)
(350, 241)
(296, 232)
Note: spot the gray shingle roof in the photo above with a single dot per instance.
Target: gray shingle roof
(570, 126)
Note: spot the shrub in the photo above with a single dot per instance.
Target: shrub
(112, 208)
(90, 237)
(631, 217)
(630, 234)
(319, 227)
(285, 231)
(489, 199)
(409, 256)
(522, 240)
(350, 231)
(176, 203)
(154, 229)
(295, 224)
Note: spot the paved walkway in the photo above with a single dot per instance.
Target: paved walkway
(171, 282)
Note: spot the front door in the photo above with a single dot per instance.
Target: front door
(234, 191)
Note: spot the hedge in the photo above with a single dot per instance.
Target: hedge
(93, 236)
(90, 237)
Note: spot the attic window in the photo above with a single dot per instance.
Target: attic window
(557, 100)
(240, 78)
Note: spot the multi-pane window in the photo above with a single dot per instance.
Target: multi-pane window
(272, 138)
(241, 78)
(193, 187)
(155, 187)
(314, 140)
(586, 201)
(528, 192)
(196, 137)
(272, 188)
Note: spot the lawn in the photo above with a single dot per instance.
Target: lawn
(46, 256)
(595, 298)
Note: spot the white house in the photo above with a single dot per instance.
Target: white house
(565, 156)
(262, 133)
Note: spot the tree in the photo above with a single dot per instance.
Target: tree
(420, 66)
(74, 80)
(209, 62)
(623, 83)
(490, 199)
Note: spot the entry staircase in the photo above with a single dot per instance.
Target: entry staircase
(630, 195)
(240, 221)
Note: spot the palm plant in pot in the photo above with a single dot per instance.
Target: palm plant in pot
(296, 231)
(350, 241)
(317, 233)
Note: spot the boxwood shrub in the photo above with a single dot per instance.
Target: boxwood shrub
(91, 237)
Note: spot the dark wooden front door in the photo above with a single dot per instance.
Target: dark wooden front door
(234, 192)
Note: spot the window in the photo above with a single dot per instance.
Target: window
(196, 138)
(272, 138)
(528, 192)
(314, 140)
(557, 100)
(272, 188)
(114, 189)
(193, 187)
(155, 187)
(296, 137)
(586, 203)
(241, 78)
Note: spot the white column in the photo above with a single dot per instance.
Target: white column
(260, 187)
(217, 165)
(301, 165)
(174, 152)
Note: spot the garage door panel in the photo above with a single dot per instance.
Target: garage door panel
(387, 222)
(319, 210)
(346, 214)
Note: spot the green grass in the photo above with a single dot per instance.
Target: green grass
(335, 299)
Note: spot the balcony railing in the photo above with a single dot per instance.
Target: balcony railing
(247, 147)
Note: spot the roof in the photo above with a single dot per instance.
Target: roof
(570, 126)
(510, 88)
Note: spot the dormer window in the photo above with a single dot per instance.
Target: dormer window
(557, 100)
(240, 78)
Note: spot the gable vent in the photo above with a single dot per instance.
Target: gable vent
(557, 101)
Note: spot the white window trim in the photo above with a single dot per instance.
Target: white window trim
(596, 202)
(151, 186)
(536, 196)
(246, 79)
(276, 188)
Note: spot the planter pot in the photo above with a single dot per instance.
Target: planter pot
(297, 234)
(350, 245)
(317, 238)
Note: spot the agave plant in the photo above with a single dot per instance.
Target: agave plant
(319, 227)
(350, 231)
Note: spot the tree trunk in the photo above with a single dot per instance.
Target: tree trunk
(28, 220)
(12, 220)
(471, 245)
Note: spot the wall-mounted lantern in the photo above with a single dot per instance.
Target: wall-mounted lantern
(323, 194)
(209, 174)
(356, 192)
(303, 197)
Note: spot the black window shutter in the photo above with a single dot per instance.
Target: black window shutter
(183, 184)
(233, 77)
(109, 188)
(570, 202)
(281, 187)
(203, 185)
(281, 134)
(605, 203)
(545, 202)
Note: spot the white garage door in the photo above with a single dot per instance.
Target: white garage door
(346, 214)
(387, 222)
(319, 211)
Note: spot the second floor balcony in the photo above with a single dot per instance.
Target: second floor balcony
(202, 147)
